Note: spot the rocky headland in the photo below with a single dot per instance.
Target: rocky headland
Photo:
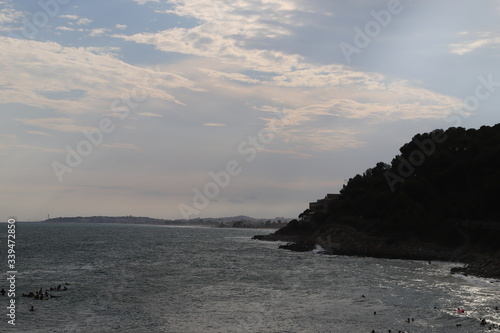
(345, 240)
(437, 200)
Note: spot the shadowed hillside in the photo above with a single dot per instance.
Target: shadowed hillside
(438, 199)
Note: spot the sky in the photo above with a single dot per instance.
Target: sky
(207, 108)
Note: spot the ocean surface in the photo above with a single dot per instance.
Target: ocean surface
(136, 278)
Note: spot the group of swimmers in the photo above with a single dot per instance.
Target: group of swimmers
(59, 288)
(40, 295)
(483, 321)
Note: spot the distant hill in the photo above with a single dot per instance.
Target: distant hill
(240, 221)
(438, 199)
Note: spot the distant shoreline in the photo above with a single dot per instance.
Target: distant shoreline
(240, 222)
(194, 226)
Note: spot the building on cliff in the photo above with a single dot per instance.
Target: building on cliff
(320, 206)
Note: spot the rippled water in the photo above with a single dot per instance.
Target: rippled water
(131, 278)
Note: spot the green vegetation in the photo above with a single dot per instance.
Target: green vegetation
(443, 188)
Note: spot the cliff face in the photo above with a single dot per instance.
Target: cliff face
(437, 200)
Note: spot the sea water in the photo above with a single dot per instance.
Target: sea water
(138, 278)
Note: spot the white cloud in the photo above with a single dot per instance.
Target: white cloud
(223, 34)
(9, 15)
(142, 2)
(226, 28)
(76, 19)
(213, 124)
(26, 147)
(55, 68)
(325, 139)
(70, 17)
(62, 28)
(55, 124)
(97, 32)
(10, 143)
(475, 41)
(38, 133)
(305, 93)
(150, 114)
(121, 26)
(83, 21)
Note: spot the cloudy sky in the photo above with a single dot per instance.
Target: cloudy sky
(176, 108)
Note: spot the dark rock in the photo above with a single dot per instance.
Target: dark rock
(298, 247)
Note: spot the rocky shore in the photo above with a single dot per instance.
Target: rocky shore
(345, 240)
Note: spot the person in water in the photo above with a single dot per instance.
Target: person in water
(32, 308)
(2, 292)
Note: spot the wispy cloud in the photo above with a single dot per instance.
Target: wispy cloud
(213, 124)
(77, 20)
(230, 58)
(8, 16)
(150, 114)
(70, 17)
(83, 21)
(142, 2)
(96, 71)
(474, 41)
(98, 32)
(120, 146)
(221, 35)
(55, 124)
(38, 133)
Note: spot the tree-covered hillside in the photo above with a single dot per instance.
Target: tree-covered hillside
(442, 189)
(437, 200)
(442, 184)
